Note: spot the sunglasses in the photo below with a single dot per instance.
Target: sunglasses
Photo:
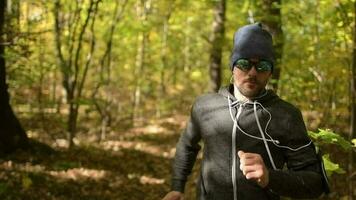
(260, 66)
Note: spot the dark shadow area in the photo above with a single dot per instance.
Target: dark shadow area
(43, 186)
(125, 173)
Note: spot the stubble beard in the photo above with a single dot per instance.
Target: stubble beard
(250, 92)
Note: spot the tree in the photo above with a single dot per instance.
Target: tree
(12, 135)
(217, 41)
(74, 71)
(104, 104)
(352, 107)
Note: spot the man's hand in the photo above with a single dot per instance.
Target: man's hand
(253, 168)
(174, 195)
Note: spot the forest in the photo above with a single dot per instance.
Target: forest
(94, 94)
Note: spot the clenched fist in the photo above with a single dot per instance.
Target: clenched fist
(253, 168)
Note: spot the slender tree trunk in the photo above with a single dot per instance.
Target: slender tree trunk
(353, 112)
(217, 41)
(12, 135)
(140, 60)
(105, 73)
(73, 73)
(187, 49)
(272, 18)
(161, 86)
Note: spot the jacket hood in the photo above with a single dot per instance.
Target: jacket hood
(268, 96)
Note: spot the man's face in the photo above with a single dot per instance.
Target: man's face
(250, 82)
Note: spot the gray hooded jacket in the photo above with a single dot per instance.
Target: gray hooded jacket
(211, 121)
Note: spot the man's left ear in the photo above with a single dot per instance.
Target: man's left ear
(233, 70)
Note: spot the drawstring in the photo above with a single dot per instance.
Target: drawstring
(263, 137)
(235, 104)
(233, 150)
(263, 133)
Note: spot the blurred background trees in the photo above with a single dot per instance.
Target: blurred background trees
(91, 68)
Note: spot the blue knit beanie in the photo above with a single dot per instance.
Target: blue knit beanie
(252, 41)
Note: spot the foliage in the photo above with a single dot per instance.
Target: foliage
(332, 167)
(315, 66)
(326, 137)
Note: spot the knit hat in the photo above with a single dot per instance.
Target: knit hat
(252, 41)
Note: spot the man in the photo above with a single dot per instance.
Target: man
(249, 135)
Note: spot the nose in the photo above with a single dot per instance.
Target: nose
(252, 71)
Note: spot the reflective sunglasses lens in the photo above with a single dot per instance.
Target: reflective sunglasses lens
(264, 66)
(243, 64)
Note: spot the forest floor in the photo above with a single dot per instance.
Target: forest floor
(129, 164)
(132, 164)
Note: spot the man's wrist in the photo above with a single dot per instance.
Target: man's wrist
(272, 182)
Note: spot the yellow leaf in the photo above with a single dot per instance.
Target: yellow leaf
(196, 74)
(354, 142)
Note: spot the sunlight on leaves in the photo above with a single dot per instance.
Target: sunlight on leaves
(79, 173)
(27, 167)
(146, 179)
(139, 146)
(61, 143)
(150, 129)
(68, 171)
(150, 180)
(196, 74)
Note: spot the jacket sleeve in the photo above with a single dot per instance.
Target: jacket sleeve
(186, 152)
(304, 178)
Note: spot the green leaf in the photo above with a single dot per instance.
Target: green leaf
(326, 136)
(332, 167)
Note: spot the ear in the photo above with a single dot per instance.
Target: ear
(234, 70)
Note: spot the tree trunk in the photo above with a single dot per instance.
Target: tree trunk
(12, 135)
(104, 109)
(353, 112)
(161, 86)
(187, 46)
(140, 60)
(217, 41)
(137, 113)
(271, 17)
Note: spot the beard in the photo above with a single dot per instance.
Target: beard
(251, 87)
